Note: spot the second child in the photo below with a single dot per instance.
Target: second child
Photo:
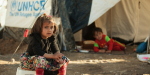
(105, 44)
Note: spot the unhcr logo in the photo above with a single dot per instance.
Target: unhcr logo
(13, 5)
(27, 5)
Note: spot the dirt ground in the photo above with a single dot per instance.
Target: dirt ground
(91, 63)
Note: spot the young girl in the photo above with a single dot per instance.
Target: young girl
(103, 42)
(43, 52)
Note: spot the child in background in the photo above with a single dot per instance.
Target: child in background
(105, 44)
(42, 51)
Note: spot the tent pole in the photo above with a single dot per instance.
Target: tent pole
(148, 42)
(111, 22)
(148, 46)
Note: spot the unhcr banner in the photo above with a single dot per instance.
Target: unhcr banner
(23, 13)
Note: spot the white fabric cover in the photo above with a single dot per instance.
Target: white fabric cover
(99, 7)
(130, 20)
(25, 18)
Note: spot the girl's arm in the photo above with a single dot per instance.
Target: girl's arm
(50, 56)
(53, 56)
(54, 47)
(56, 52)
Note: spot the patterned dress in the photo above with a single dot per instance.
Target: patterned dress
(33, 58)
(35, 62)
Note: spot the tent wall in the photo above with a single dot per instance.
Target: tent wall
(129, 18)
(144, 21)
(102, 6)
(103, 22)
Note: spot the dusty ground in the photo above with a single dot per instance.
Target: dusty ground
(91, 63)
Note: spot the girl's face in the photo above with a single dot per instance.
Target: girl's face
(98, 35)
(47, 30)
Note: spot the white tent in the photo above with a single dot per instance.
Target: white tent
(128, 19)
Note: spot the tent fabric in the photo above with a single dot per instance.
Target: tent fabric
(130, 20)
(23, 13)
(103, 22)
(54, 9)
(144, 21)
(124, 18)
(99, 7)
(15, 24)
(78, 13)
(84, 12)
(2, 18)
(66, 25)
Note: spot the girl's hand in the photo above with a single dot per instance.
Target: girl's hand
(57, 60)
(60, 61)
(53, 56)
(57, 56)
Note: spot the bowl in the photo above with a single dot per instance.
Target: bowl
(84, 51)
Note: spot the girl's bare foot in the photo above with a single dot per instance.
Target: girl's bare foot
(108, 51)
(102, 51)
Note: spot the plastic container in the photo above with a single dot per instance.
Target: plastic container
(79, 47)
(24, 72)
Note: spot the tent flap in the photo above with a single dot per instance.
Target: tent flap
(84, 12)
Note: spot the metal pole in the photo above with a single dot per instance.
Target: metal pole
(148, 42)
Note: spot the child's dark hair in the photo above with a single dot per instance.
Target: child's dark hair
(96, 30)
(37, 27)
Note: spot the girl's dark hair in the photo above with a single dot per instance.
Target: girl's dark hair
(37, 27)
(96, 30)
